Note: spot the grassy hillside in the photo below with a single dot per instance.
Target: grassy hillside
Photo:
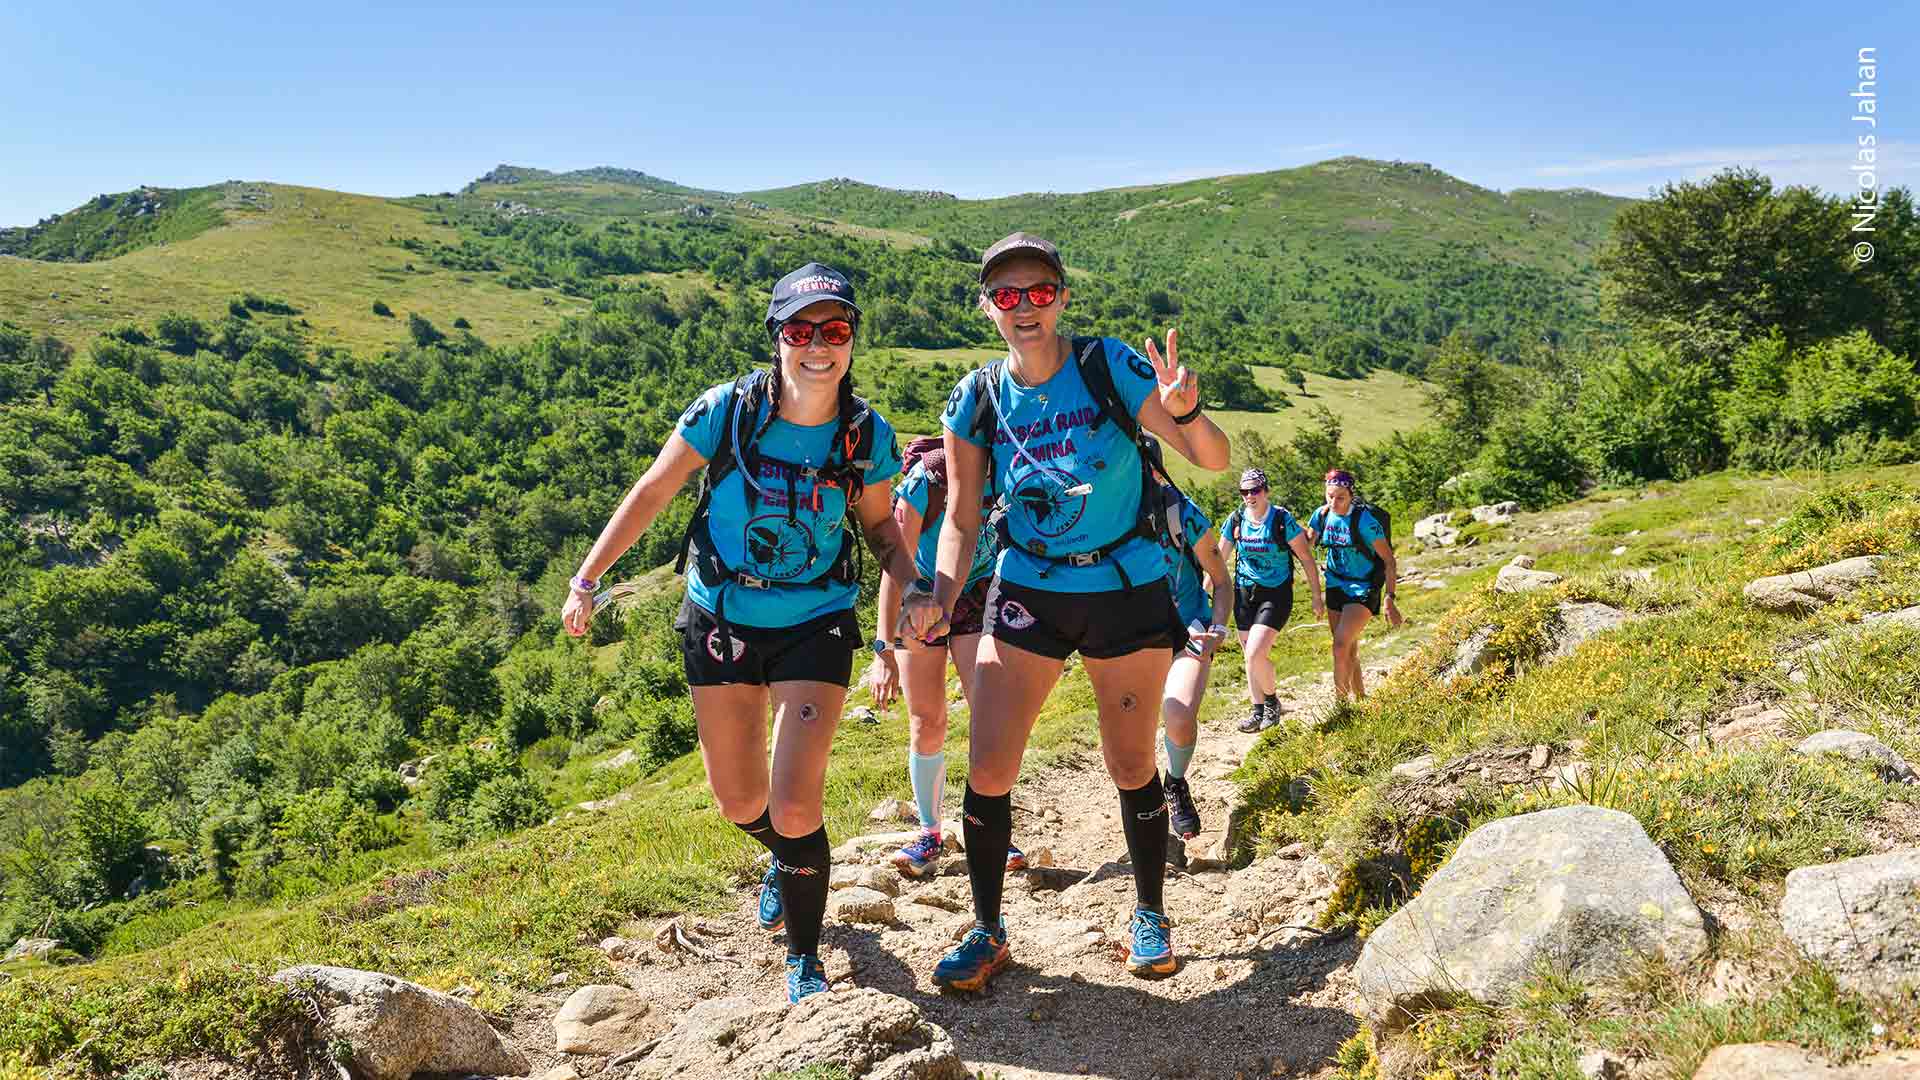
(329, 254)
(504, 916)
(110, 225)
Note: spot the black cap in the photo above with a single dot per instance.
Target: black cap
(1021, 245)
(810, 284)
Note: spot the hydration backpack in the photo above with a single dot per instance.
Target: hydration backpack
(1152, 524)
(936, 477)
(1377, 574)
(848, 460)
(1239, 514)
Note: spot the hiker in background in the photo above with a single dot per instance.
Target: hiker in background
(1055, 427)
(918, 669)
(1197, 576)
(768, 620)
(1361, 574)
(1264, 539)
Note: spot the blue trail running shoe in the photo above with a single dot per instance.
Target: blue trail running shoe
(773, 912)
(1152, 952)
(921, 854)
(979, 957)
(1016, 859)
(806, 975)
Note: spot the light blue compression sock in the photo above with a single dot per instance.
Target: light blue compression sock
(929, 773)
(1177, 757)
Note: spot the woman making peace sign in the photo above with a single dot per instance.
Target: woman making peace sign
(1053, 430)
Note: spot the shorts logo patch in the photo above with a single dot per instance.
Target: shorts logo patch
(713, 646)
(1015, 615)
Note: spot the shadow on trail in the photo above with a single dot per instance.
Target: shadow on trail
(1031, 1020)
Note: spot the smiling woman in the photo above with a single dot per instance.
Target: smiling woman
(789, 453)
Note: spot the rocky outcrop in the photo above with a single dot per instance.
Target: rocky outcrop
(604, 1020)
(1500, 513)
(1579, 888)
(397, 1028)
(1860, 746)
(1436, 530)
(1810, 589)
(1519, 576)
(1859, 919)
(1785, 1061)
(869, 1034)
(28, 947)
(1573, 624)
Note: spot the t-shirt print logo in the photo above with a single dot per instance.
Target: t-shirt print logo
(1044, 495)
(777, 547)
(713, 646)
(1015, 615)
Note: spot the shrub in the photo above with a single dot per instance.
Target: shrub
(380, 308)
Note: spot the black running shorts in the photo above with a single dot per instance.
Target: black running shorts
(1262, 605)
(818, 650)
(1338, 598)
(1099, 625)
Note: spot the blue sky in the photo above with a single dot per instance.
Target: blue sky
(976, 99)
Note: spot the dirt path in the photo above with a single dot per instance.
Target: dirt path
(1251, 997)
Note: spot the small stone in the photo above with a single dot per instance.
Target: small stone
(881, 879)
(614, 947)
(1755, 523)
(1539, 758)
(863, 905)
(603, 1020)
(561, 979)
(560, 1072)
(1416, 769)
(1600, 1065)
(1621, 550)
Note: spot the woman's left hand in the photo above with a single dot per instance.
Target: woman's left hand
(921, 615)
(883, 678)
(1394, 618)
(1179, 388)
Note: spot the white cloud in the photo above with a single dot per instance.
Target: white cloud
(1821, 165)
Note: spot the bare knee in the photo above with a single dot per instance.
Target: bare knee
(927, 726)
(792, 818)
(740, 807)
(1131, 770)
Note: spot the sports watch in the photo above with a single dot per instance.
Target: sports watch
(879, 646)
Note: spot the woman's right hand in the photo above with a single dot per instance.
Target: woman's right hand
(578, 612)
(923, 616)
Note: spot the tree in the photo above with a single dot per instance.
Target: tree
(1728, 258)
(423, 332)
(1467, 389)
(109, 837)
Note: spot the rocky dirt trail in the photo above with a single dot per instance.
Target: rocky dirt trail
(1256, 994)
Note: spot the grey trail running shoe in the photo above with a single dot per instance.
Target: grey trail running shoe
(1256, 719)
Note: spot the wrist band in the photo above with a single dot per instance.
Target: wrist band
(1190, 416)
(585, 584)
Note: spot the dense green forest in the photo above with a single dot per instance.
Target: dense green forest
(246, 577)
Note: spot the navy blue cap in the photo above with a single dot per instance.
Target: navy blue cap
(810, 284)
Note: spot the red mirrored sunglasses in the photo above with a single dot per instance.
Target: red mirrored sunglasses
(1007, 297)
(798, 332)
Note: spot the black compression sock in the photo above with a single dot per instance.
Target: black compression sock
(1143, 815)
(760, 828)
(987, 827)
(805, 868)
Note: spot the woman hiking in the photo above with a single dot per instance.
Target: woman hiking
(768, 617)
(1053, 429)
(1264, 539)
(1361, 575)
(1197, 576)
(918, 669)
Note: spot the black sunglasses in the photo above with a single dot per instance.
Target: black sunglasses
(1252, 491)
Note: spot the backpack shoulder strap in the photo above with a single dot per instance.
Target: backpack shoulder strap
(1232, 527)
(747, 390)
(985, 378)
(1098, 375)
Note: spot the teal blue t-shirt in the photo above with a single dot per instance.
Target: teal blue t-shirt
(1070, 487)
(1183, 572)
(1346, 568)
(758, 536)
(914, 490)
(1260, 547)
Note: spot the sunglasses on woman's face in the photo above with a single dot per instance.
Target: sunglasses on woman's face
(1007, 297)
(1248, 493)
(798, 332)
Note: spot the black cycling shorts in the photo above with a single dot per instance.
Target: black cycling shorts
(818, 650)
(1262, 605)
(1099, 625)
(1338, 598)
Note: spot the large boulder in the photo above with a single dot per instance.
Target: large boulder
(1860, 746)
(604, 1019)
(1499, 513)
(869, 1034)
(1579, 888)
(1785, 1061)
(397, 1028)
(1436, 530)
(1813, 588)
(1519, 576)
(1580, 621)
(1859, 919)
